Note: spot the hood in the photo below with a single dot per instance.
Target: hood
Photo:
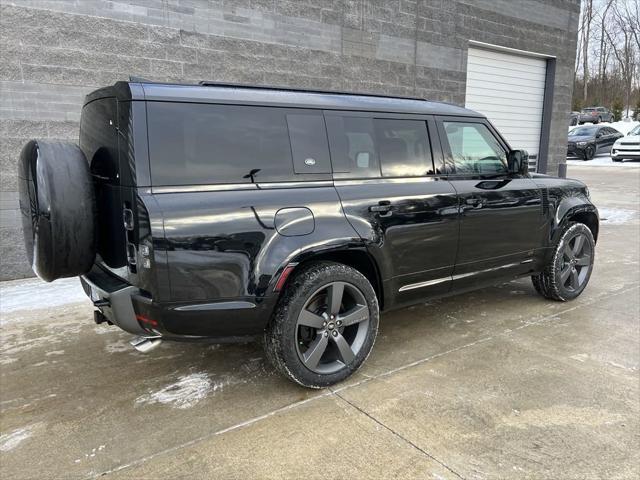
(629, 139)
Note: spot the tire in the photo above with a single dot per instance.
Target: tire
(57, 209)
(305, 343)
(589, 152)
(554, 282)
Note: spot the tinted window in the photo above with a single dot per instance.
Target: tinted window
(580, 131)
(309, 143)
(474, 149)
(201, 144)
(353, 151)
(403, 147)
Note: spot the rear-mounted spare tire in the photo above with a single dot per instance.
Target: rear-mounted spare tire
(57, 208)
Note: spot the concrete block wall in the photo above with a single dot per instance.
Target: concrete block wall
(53, 52)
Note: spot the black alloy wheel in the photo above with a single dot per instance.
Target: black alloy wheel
(589, 152)
(576, 262)
(332, 327)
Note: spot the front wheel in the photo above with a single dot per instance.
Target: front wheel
(569, 270)
(589, 152)
(324, 326)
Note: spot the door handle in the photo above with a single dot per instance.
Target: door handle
(383, 208)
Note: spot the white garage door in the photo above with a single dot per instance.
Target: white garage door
(509, 90)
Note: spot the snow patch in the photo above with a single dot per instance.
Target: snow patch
(119, 346)
(34, 294)
(185, 393)
(615, 216)
(9, 441)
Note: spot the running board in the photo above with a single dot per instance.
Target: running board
(145, 344)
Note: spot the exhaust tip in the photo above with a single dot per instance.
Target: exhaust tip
(145, 344)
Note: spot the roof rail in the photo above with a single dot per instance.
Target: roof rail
(206, 83)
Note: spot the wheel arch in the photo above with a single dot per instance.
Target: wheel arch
(576, 209)
(355, 257)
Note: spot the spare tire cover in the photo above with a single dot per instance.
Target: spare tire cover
(57, 208)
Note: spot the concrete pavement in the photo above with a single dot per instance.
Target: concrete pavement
(498, 383)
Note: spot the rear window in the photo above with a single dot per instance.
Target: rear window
(196, 144)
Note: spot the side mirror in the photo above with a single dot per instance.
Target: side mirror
(518, 162)
(599, 134)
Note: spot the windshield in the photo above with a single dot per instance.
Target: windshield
(580, 131)
(588, 109)
(635, 131)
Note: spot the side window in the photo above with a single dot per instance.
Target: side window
(191, 144)
(352, 143)
(403, 147)
(474, 149)
(309, 143)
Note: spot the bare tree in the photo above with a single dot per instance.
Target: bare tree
(603, 57)
(587, 17)
(624, 48)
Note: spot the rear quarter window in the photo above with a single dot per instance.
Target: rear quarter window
(196, 144)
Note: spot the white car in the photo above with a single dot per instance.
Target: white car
(627, 147)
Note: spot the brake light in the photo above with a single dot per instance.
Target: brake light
(148, 321)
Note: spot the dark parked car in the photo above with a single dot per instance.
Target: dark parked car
(595, 115)
(213, 212)
(588, 140)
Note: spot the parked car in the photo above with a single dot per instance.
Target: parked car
(216, 212)
(588, 140)
(627, 147)
(573, 118)
(595, 115)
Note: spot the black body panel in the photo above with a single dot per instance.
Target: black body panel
(205, 250)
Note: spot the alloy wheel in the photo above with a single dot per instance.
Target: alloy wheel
(576, 262)
(332, 327)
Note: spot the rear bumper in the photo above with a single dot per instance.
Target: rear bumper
(114, 298)
(225, 320)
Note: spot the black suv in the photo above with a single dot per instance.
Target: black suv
(198, 212)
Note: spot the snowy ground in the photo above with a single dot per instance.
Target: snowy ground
(34, 294)
(604, 159)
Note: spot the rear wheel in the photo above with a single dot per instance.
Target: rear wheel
(324, 326)
(569, 270)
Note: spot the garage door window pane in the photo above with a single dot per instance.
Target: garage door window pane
(474, 149)
(404, 148)
(195, 144)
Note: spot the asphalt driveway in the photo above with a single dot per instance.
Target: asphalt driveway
(498, 383)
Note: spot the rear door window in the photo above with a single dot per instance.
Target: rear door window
(403, 147)
(353, 146)
(196, 144)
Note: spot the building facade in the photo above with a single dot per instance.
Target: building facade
(510, 59)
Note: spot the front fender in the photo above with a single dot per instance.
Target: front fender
(568, 209)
